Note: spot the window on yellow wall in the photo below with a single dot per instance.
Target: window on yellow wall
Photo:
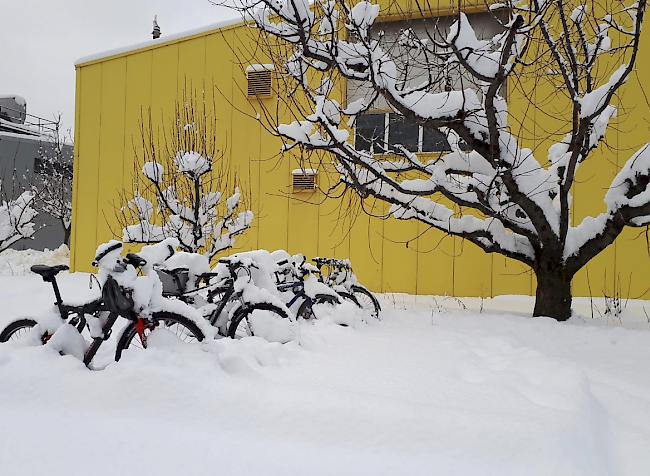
(380, 132)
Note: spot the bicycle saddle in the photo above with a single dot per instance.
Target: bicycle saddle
(48, 272)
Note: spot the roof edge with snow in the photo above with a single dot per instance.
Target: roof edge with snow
(231, 22)
(163, 41)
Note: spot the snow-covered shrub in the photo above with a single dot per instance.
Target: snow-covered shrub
(185, 188)
(16, 218)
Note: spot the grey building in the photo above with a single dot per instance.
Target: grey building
(23, 138)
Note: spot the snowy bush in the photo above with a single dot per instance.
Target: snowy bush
(16, 219)
(189, 193)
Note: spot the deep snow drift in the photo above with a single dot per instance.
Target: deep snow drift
(426, 391)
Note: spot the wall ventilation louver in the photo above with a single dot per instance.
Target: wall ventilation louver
(260, 80)
(303, 180)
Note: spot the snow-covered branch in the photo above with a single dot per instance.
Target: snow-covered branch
(186, 189)
(201, 220)
(16, 219)
(51, 181)
(485, 185)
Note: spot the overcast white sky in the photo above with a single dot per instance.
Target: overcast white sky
(40, 40)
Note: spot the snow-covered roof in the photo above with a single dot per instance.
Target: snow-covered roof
(23, 129)
(19, 99)
(28, 132)
(24, 137)
(164, 40)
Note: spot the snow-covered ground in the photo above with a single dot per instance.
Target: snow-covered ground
(17, 262)
(432, 389)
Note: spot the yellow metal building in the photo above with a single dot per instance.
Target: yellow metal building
(388, 255)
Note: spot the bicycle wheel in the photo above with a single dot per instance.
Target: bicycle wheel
(175, 325)
(17, 330)
(242, 324)
(306, 309)
(366, 300)
(349, 297)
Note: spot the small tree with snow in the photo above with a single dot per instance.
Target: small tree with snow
(16, 217)
(487, 188)
(189, 191)
(51, 180)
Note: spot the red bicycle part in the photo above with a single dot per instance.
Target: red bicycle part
(139, 328)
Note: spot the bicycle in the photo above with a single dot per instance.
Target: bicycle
(342, 279)
(117, 300)
(231, 302)
(290, 277)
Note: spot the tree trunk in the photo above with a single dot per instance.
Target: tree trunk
(66, 235)
(553, 296)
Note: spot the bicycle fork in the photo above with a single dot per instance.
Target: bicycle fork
(98, 341)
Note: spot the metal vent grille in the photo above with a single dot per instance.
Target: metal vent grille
(259, 83)
(303, 181)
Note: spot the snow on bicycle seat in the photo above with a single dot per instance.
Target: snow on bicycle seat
(48, 272)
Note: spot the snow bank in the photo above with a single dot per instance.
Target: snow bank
(422, 392)
(18, 262)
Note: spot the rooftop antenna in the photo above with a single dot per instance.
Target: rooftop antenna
(156, 29)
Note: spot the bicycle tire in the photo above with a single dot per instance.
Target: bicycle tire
(13, 328)
(366, 300)
(242, 314)
(126, 339)
(306, 309)
(349, 297)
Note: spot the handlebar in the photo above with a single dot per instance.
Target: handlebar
(102, 255)
(233, 266)
(135, 260)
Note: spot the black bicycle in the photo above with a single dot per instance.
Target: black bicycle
(340, 277)
(290, 277)
(116, 301)
(228, 309)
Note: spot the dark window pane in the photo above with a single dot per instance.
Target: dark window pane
(434, 141)
(49, 166)
(370, 132)
(403, 132)
(40, 166)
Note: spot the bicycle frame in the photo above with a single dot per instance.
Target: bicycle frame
(298, 290)
(98, 341)
(336, 269)
(225, 287)
(80, 321)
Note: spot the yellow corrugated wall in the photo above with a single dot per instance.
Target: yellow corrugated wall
(390, 255)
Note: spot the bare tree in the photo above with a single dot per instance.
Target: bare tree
(183, 186)
(487, 187)
(51, 180)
